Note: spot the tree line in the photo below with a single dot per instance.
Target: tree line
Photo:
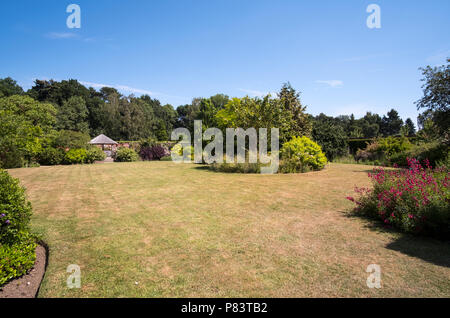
(131, 118)
(69, 106)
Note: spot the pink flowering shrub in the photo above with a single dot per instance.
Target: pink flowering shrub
(415, 200)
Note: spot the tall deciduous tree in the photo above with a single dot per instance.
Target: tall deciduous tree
(24, 123)
(436, 97)
(330, 136)
(219, 100)
(73, 115)
(186, 114)
(207, 113)
(370, 125)
(258, 113)
(9, 87)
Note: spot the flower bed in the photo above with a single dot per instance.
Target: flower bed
(415, 200)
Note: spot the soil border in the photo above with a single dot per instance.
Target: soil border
(28, 285)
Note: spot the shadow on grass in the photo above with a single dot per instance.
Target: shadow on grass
(364, 171)
(203, 167)
(374, 225)
(428, 249)
(208, 168)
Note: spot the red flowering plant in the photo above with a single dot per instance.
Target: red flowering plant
(415, 200)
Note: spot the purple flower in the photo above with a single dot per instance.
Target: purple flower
(2, 215)
(7, 222)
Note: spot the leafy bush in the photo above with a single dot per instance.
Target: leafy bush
(301, 154)
(385, 151)
(414, 200)
(434, 152)
(155, 152)
(17, 258)
(70, 139)
(444, 162)
(94, 154)
(371, 153)
(13, 159)
(178, 149)
(74, 156)
(17, 245)
(15, 210)
(126, 155)
(392, 145)
(51, 156)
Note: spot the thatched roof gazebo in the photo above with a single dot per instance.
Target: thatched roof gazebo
(102, 141)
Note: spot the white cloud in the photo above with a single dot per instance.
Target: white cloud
(331, 83)
(123, 88)
(61, 35)
(134, 90)
(95, 85)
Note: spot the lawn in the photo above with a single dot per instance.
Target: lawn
(157, 229)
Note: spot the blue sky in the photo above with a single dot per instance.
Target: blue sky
(180, 49)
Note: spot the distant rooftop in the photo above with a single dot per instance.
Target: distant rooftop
(102, 140)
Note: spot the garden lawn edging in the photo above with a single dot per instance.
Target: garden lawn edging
(27, 286)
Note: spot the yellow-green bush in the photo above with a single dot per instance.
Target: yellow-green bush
(301, 154)
(178, 149)
(74, 156)
(124, 154)
(94, 154)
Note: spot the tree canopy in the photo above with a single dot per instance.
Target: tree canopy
(64, 113)
(330, 136)
(9, 87)
(436, 97)
(24, 124)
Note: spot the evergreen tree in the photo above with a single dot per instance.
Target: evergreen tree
(290, 99)
(391, 124)
(411, 129)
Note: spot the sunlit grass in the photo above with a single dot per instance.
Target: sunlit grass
(158, 229)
